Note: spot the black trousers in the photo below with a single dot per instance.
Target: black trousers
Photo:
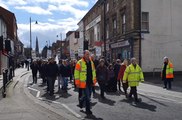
(51, 82)
(125, 87)
(133, 91)
(102, 89)
(167, 83)
(34, 76)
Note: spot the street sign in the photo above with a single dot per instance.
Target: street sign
(98, 51)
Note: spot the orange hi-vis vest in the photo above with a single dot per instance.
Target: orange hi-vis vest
(80, 73)
(169, 70)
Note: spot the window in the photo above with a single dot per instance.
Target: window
(107, 7)
(145, 22)
(123, 24)
(107, 29)
(98, 32)
(114, 26)
(114, 2)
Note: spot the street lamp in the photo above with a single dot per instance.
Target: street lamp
(31, 37)
(61, 45)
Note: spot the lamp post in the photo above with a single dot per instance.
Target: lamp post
(61, 45)
(103, 2)
(31, 39)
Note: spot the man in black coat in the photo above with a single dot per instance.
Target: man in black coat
(52, 73)
(34, 68)
(116, 71)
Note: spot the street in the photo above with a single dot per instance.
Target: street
(157, 103)
(26, 101)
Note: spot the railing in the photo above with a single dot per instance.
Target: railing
(7, 78)
(156, 70)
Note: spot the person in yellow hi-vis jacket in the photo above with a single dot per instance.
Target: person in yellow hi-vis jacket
(85, 78)
(133, 74)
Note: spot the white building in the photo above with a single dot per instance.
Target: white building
(161, 24)
(73, 44)
(81, 38)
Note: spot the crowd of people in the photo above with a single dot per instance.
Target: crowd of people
(88, 71)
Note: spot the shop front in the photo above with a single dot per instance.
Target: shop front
(120, 50)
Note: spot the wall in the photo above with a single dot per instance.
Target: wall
(73, 42)
(164, 37)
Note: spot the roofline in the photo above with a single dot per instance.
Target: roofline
(98, 2)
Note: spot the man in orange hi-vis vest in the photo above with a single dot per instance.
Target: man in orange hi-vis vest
(85, 78)
(167, 72)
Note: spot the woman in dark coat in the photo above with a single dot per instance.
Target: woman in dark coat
(111, 79)
(102, 78)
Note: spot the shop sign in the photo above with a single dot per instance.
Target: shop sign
(98, 51)
(120, 44)
(94, 22)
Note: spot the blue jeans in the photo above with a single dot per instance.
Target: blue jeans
(86, 97)
(65, 83)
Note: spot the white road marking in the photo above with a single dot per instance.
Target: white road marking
(38, 92)
(161, 98)
(64, 105)
(72, 111)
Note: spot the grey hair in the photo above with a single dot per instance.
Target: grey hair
(132, 59)
(85, 51)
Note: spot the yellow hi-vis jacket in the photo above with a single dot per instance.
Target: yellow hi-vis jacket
(169, 70)
(133, 75)
(80, 73)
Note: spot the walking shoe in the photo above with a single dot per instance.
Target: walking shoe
(80, 106)
(89, 112)
(138, 100)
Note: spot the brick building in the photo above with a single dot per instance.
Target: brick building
(122, 29)
(7, 58)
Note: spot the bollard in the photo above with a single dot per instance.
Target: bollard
(5, 77)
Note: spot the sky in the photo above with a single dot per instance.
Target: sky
(54, 17)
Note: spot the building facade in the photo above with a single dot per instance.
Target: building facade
(161, 33)
(73, 44)
(122, 29)
(10, 37)
(3, 34)
(145, 29)
(93, 30)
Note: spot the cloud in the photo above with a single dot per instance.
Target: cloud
(76, 12)
(35, 9)
(17, 2)
(46, 31)
(2, 4)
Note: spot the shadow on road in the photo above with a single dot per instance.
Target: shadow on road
(104, 101)
(91, 117)
(48, 97)
(154, 100)
(147, 106)
(141, 105)
(117, 93)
